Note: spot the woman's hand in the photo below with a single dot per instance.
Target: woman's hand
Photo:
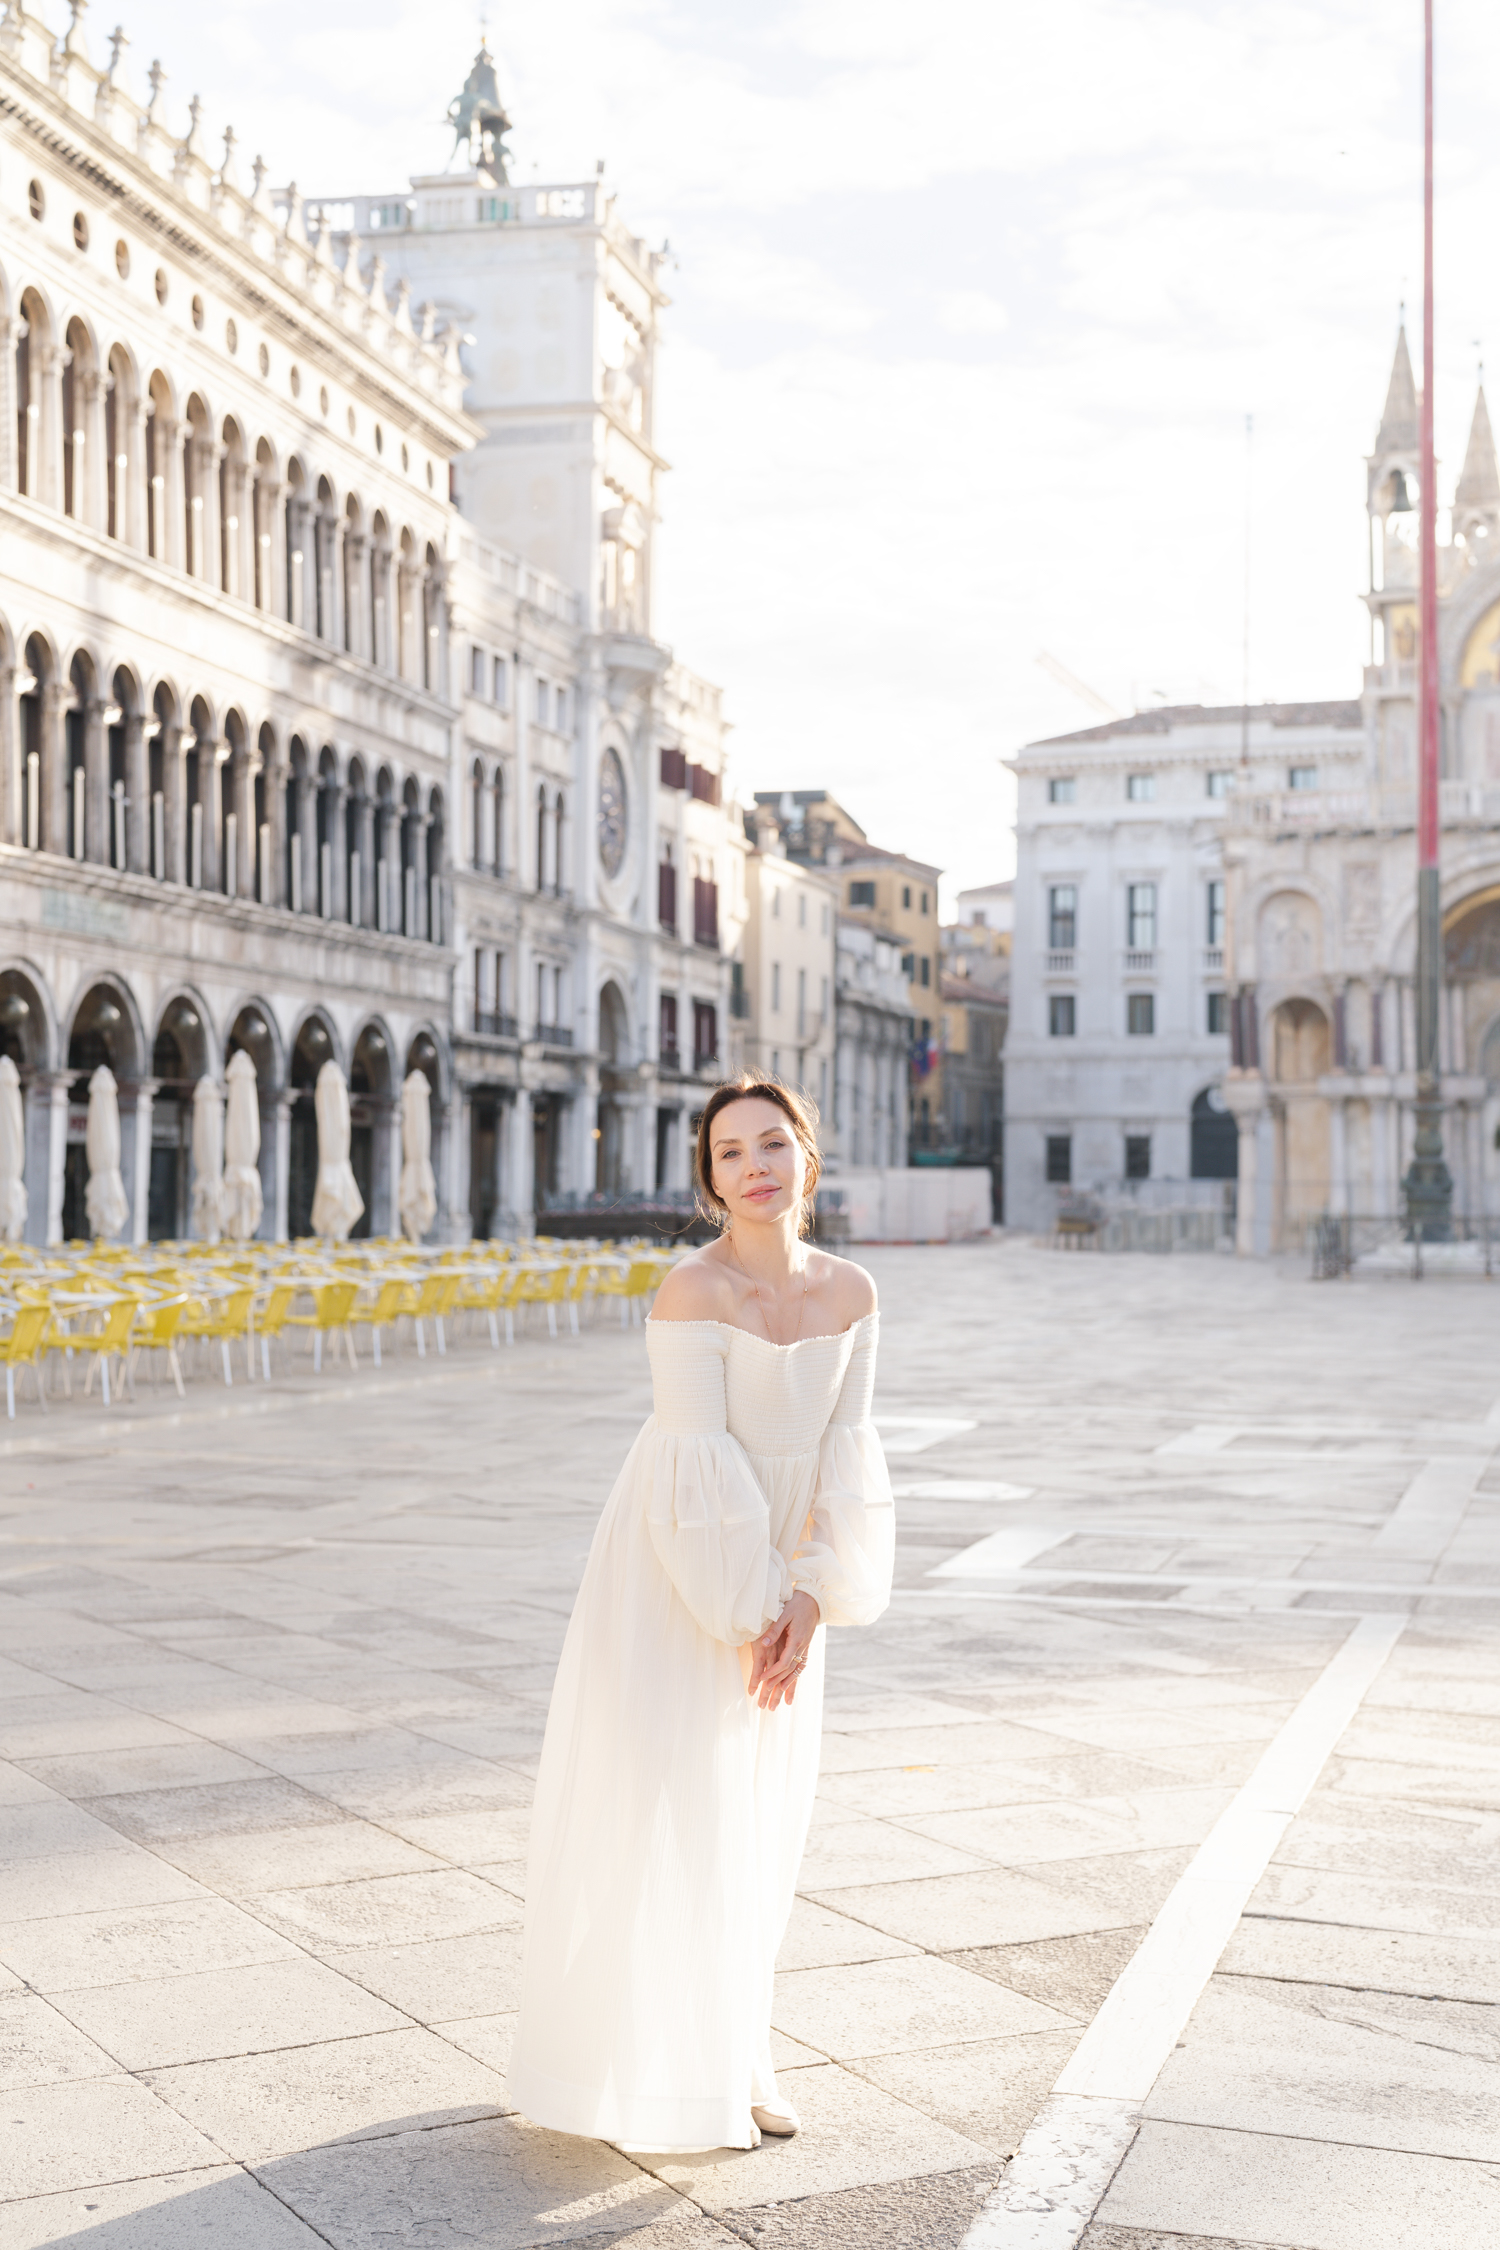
(781, 1651)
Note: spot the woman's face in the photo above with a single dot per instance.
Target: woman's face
(758, 1166)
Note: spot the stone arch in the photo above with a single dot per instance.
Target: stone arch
(161, 448)
(41, 823)
(1289, 939)
(1299, 1048)
(124, 743)
(104, 1026)
(122, 466)
(1213, 1137)
(80, 398)
(28, 1030)
(314, 1042)
(36, 398)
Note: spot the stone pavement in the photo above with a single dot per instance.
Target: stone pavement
(273, 1673)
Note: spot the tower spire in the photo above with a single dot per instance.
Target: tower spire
(1477, 498)
(1398, 424)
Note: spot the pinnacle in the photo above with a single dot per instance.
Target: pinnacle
(1479, 483)
(1398, 424)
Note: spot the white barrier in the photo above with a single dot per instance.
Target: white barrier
(927, 1203)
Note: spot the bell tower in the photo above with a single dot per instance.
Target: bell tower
(1476, 503)
(1392, 497)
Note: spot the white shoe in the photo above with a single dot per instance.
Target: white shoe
(781, 2123)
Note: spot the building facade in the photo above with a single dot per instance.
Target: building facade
(872, 1100)
(790, 964)
(1322, 887)
(295, 757)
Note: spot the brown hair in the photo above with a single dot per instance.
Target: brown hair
(800, 1114)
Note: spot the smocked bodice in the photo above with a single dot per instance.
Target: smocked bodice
(776, 1399)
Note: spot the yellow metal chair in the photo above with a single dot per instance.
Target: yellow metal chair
(545, 1288)
(156, 1331)
(223, 1320)
(272, 1319)
(394, 1297)
(23, 1347)
(112, 1341)
(335, 1306)
(436, 1297)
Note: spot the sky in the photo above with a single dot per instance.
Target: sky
(971, 303)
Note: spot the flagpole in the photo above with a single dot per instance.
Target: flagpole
(1428, 1184)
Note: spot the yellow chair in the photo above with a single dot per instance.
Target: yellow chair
(543, 1287)
(436, 1297)
(272, 1319)
(225, 1318)
(112, 1341)
(23, 1347)
(335, 1305)
(393, 1298)
(156, 1331)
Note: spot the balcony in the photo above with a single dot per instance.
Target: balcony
(489, 1023)
(1140, 960)
(1060, 964)
(1213, 958)
(669, 1057)
(553, 1035)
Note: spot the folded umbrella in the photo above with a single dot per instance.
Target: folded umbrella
(13, 1203)
(208, 1160)
(418, 1196)
(242, 1190)
(337, 1202)
(104, 1197)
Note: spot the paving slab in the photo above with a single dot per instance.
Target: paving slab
(217, 2207)
(212, 2014)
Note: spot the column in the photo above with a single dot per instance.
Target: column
(7, 403)
(276, 778)
(518, 1198)
(304, 848)
(285, 1101)
(270, 534)
(130, 436)
(93, 499)
(96, 808)
(356, 593)
(504, 1127)
(56, 808)
(44, 413)
(298, 592)
(174, 792)
(335, 529)
(137, 795)
(455, 1222)
(421, 822)
(385, 1219)
(364, 843)
(243, 765)
(211, 756)
(12, 780)
(59, 1084)
(140, 1195)
(338, 852)
(1338, 1163)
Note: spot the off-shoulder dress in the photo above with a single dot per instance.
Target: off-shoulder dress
(671, 1811)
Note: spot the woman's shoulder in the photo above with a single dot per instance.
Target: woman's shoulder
(697, 1288)
(851, 1291)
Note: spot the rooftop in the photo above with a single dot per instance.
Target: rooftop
(1172, 715)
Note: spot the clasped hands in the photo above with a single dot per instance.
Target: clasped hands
(778, 1655)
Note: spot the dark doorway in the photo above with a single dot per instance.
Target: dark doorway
(313, 1048)
(1215, 1138)
(546, 1129)
(484, 1154)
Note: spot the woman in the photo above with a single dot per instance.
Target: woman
(681, 1754)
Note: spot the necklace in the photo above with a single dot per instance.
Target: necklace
(760, 1300)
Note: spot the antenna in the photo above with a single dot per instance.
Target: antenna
(1245, 639)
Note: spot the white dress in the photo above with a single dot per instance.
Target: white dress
(671, 1811)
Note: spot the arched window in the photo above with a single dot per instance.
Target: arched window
(296, 519)
(158, 441)
(559, 856)
(499, 814)
(119, 399)
(233, 498)
(77, 393)
(260, 519)
(195, 457)
(81, 816)
(33, 334)
(324, 542)
(36, 751)
(164, 716)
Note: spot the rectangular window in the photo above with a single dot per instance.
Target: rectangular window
(560, 710)
(666, 895)
(502, 683)
(924, 902)
(1216, 784)
(1140, 788)
(925, 966)
(668, 1025)
(476, 671)
(909, 967)
(1215, 903)
(1062, 1015)
(1302, 777)
(1062, 789)
(703, 784)
(802, 1003)
(539, 704)
(705, 913)
(802, 910)
(705, 1033)
(775, 986)
(1062, 917)
(861, 894)
(1140, 917)
(674, 769)
(1218, 1015)
(775, 903)
(1137, 1156)
(906, 894)
(1059, 1159)
(1140, 1014)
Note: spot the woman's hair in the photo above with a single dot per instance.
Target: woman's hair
(800, 1114)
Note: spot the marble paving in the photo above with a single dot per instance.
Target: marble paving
(274, 1666)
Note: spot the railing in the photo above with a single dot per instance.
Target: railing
(1301, 808)
(554, 1035)
(1339, 1241)
(491, 1024)
(1060, 964)
(1213, 957)
(670, 1056)
(1140, 961)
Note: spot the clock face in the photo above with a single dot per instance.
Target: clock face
(612, 813)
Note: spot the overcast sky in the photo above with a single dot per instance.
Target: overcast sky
(972, 302)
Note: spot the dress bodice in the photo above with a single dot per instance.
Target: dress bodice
(776, 1399)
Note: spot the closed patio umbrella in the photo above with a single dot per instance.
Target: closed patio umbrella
(104, 1197)
(418, 1197)
(208, 1160)
(337, 1202)
(13, 1204)
(242, 1193)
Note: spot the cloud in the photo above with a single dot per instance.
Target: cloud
(970, 312)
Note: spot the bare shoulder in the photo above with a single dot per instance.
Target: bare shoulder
(850, 1288)
(697, 1288)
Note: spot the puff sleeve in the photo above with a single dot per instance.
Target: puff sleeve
(705, 1510)
(847, 1554)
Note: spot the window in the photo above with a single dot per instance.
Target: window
(1214, 899)
(861, 894)
(674, 769)
(560, 710)
(1137, 1156)
(823, 919)
(775, 985)
(925, 968)
(1140, 1014)
(1062, 917)
(1059, 1159)
(906, 894)
(1140, 917)
(802, 910)
(802, 1003)
(705, 1033)
(666, 890)
(1062, 789)
(924, 902)
(476, 671)
(1062, 1015)
(502, 683)
(667, 1023)
(909, 967)
(539, 705)
(36, 202)
(1140, 788)
(1216, 784)
(1218, 1015)
(80, 231)
(705, 913)
(1302, 777)
(775, 902)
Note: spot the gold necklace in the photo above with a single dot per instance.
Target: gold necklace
(765, 1318)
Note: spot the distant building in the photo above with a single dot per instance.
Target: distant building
(870, 1114)
(784, 983)
(992, 906)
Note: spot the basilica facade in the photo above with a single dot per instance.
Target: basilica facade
(308, 747)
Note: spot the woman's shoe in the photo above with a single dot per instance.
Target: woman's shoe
(781, 2123)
